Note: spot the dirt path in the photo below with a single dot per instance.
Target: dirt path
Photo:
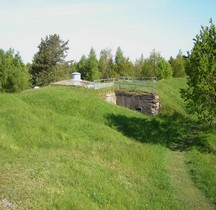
(185, 190)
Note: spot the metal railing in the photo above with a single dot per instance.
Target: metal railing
(102, 83)
(146, 84)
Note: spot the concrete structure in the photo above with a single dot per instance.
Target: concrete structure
(147, 103)
(76, 76)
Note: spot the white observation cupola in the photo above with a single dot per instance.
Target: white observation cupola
(76, 76)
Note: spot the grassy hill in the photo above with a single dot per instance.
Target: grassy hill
(66, 148)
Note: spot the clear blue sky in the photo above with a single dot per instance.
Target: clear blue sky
(137, 26)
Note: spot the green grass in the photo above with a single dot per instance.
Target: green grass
(65, 148)
(199, 141)
(203, 168)
(58, 152)
(185, 190)
(170, 97)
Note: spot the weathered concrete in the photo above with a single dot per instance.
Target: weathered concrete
(111, 97)
(147, 103)
(77, 83)
(84, 83)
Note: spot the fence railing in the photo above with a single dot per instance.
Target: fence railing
(147, 84)
(102, 83)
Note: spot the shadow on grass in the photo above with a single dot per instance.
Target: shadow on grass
(175, 132)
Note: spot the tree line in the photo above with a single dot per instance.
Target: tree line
(109, 66)
(49, 65)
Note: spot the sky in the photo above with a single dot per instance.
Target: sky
(137, 26)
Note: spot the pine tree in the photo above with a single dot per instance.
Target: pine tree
(52, 52)
(92, 67)
(123, 66)
(81, 67)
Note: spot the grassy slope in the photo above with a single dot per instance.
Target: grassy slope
(59, 152)
(169, 93)
(200, 143)
(64, 148)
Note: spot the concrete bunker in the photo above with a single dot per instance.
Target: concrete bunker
(147, 103)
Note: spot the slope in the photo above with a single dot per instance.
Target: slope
(65, 148)
(58, 152)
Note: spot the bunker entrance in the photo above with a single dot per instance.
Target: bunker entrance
(147, 103)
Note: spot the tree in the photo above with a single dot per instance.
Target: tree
(14, 75)
(52, 53)
(201, 70)
(106, 66)
(139, 65)
(157, 66)
(92, 68)
(123, 66)
(81, 67)
(178, 65)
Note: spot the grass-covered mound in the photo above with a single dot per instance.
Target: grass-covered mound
(66, 148)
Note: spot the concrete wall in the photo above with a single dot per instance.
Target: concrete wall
(147, 103)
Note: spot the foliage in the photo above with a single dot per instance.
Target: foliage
(109, 67)
(89, 67)
(178, 65)
(201, 70)
(63, 71)
(123, 66)
(139, 65)
(92, 66)
(81, 67)
(14, 75)
(106, 65)
(156, 66)
(51, 54)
